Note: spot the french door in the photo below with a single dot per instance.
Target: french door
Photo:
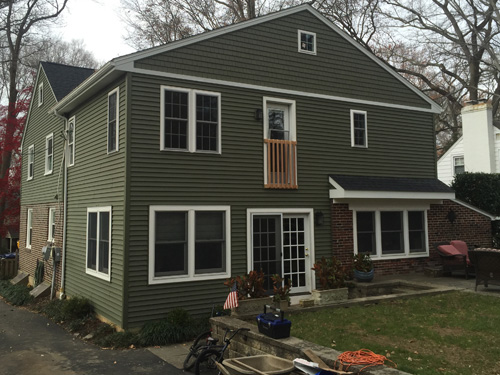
(280, 245)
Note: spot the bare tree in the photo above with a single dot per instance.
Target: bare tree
(450, 48)
(20, 20)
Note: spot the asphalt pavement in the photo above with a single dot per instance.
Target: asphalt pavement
(32, 344)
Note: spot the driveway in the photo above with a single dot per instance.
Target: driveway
(32, 344)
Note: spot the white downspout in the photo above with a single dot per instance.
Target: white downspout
(62, 294)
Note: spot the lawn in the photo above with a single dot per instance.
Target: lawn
(452, 333)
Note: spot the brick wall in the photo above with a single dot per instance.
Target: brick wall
(469, 226)
(28, 257)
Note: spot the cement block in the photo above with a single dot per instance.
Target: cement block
(41, 290)
(22, 278)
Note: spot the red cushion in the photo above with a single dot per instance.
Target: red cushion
(462, 247)
(449, 250)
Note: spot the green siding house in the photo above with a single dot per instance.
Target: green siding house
(262, 145)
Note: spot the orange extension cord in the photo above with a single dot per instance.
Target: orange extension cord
(362, 357)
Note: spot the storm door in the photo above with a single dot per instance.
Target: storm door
(281, 246)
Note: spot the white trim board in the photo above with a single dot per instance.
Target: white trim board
(277, 90)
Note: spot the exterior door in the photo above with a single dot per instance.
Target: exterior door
(281, 246)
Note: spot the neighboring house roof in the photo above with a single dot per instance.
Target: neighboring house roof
(126, 63)
(347, 187)
(64, 78)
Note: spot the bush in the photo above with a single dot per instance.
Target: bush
(18, 295)
(77, 308)
(178, 326)
(479, 189)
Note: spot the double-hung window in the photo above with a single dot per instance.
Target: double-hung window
(391, 233)
(99, 242)
(113, 120)
(29, 228)
(458, 165)
(189, 243)
(71, 141)
(49, 153)
(40, 94)
(52, 224)
(31, 162)
(190, 120)
(359, 129)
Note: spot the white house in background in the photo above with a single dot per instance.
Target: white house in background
(478, 150)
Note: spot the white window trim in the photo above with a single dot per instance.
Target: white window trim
(299, 34)
(191, 276)
(40, 94)
(117, 140)
(378, 233)
(89, 271)
(353, 112)
(52, 219)
(31, 161)
(29, 228)
(267, 100)
(72, 120)
(191, 125)
(453, 158)
(49, 171)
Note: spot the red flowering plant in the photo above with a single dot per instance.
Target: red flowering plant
(250, 285)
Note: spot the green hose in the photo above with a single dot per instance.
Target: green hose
(39, 271)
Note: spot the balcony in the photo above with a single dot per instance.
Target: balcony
(281, 164)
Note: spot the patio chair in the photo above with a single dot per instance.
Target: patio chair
(455, 257)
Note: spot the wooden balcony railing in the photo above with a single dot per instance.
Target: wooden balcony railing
(281, 164)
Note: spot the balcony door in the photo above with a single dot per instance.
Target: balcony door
(280, 144)
(281, 245)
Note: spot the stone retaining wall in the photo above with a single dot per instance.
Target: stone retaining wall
(254, 343)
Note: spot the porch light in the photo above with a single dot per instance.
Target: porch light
(318, 218)
(452, 216)
(258, 114)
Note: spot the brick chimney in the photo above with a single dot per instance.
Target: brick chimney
(479, 138)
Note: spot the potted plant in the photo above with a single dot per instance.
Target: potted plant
(251, 293)
(281, 290)
(363, 267)
(332, 276)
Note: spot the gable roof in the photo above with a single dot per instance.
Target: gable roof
(350, 187)
(64, 78)
(126, 63)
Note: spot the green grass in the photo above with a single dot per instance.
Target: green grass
(453, 333)
(18, 295)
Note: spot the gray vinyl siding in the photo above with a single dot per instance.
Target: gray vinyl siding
(267, 54)
(97, 179)
(42, 188)
(400, 144)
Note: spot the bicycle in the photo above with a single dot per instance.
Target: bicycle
(203, 341)
(210, 357)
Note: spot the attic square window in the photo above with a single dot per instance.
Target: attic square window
(307, 42)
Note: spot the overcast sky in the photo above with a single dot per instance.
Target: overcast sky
(97, 22)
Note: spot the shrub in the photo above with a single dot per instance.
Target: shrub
(178, 326)
(77, 308)
(18, 295)
(117, 340)
(331, 273)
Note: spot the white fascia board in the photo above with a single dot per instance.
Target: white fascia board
(81, 89)
(478, 210)
(450, 150)
(122, 62)
(435, 108)
(364, 194)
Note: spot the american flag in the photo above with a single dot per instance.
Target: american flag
(232, 298)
